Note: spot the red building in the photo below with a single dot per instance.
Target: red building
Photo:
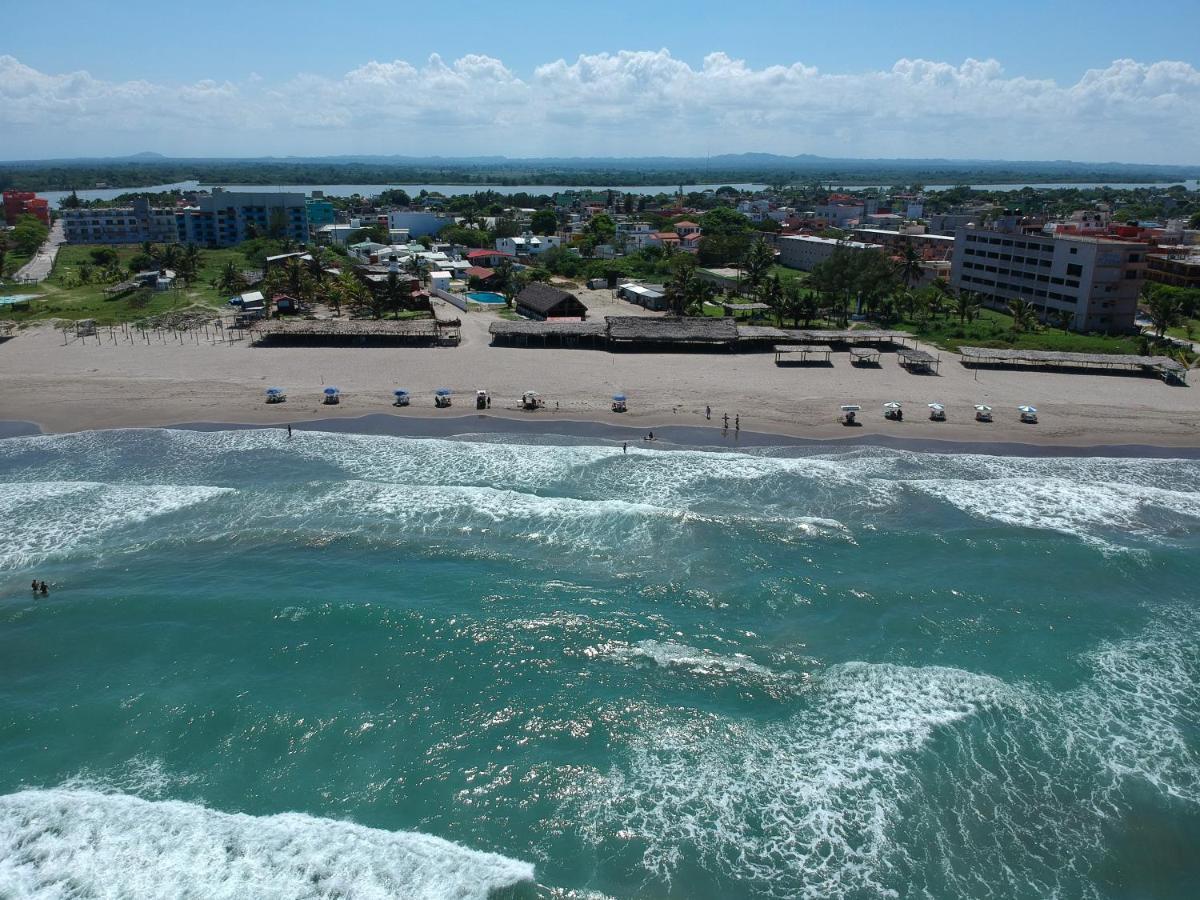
(19, 203)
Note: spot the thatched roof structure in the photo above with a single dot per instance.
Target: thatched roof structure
(1000, 356)
(504, 328)
(545, 300)
(671, 330)
(917, 360)
(857, 336)
(317, 331)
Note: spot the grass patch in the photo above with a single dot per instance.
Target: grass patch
(63, 299)
(994, 329)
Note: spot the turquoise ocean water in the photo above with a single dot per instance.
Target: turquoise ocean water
(355, 666)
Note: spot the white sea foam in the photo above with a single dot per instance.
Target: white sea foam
(804, 807)
(64, 843)
(1069, 506)
(43, 519)
(942, 781)
(670, 654)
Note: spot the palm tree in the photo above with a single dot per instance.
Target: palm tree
(682, 293)
(396, 293)
(966, 305)
(1024, 315)
(774, 296)
(505, 282)
(189, 263)
(757, 266)
(909, 267)
(231, 280)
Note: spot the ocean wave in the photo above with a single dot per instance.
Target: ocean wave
(65, 843)
(1096, 511)
(898, 781)
(44, 519)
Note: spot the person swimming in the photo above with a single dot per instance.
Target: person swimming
(43, 590)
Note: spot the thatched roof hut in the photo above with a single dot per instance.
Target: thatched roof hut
(1003, 356)
(541, 301)
(671, 330)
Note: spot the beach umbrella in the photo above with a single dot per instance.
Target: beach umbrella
(891, 404)
(400, 392)
(937, 407)
(850, 407)
(443, 392)
(330, 391)
(619, 397)
(980, 407)
(274, 391)
(1028, 410)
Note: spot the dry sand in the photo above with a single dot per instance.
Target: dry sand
(85, 385)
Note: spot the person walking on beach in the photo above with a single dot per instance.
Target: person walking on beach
(707, 412)
(737, 423)
(625, 447)
(726, 421)
(289, 432)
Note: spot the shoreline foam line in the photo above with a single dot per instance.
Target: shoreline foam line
(101, 842)
(668, 436)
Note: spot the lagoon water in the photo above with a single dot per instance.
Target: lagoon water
(362, 666)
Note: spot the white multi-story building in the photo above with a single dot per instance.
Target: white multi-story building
(527, 244)
(1094, 280)
(803, 252)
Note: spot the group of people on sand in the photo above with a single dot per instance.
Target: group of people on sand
(39, 587)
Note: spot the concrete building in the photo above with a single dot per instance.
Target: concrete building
(418, 224)
(803, 252)
(1177, 270)
(840, 214)
(225, 218)
(320, 212)
(25, 203)
(931, 246)
(120, 224)
(1094, 280)
(527, 244)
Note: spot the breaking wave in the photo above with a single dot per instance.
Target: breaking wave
(70, 843)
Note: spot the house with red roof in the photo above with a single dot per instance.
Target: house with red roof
(685, 228)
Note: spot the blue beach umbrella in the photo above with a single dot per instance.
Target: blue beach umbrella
(274, 392)
(619, 397)
(443, 392)
(400, 392)
(330, 391)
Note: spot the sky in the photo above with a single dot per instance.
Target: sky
(1093, 81)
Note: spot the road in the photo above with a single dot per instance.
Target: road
(38, 268)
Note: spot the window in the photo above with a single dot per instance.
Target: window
(1074, 250)
(1074, 268)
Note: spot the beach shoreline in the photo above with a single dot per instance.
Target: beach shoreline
(667, 436)
(64, 385)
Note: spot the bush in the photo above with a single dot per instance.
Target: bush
(103, 256)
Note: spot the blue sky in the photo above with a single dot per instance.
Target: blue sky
(1019, 80)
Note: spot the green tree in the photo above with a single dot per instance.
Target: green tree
(506, 282)
(230, 280)
(683, 292)
(775, 297)
(28, 234)
(874, 278)
(757, 267)
(544, 221)
(1024, 315)
(1164, 310)
(3, 251)
(909, 267)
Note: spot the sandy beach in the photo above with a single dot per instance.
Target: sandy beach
(96, 383)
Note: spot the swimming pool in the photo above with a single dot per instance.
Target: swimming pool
(486, 297)
(10, 299)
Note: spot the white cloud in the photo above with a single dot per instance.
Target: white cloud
(623, 103)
